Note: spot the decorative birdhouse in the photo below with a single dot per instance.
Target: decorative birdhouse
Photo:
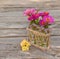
(39, 27)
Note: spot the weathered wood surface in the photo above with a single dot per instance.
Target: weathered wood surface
(13, 29)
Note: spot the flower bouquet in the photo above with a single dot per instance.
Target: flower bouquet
(38, 29)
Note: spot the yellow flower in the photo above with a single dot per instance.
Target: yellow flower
(25, 48)
(25, 45)
(25, 42)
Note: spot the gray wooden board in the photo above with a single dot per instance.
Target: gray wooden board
(13, 29)
(10, 48)
(19, 15)
(46, 4)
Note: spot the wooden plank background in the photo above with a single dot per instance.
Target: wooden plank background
(13, 25)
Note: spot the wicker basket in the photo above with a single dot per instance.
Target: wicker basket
(38, 38)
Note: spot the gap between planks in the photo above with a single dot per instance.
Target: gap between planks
(18, 36)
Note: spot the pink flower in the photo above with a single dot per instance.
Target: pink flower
(28, 12)
(44, 14)
(48, 19)
(30, 18)
(34, 16)
(41, 23)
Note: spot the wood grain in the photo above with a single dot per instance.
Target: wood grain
(13, 29)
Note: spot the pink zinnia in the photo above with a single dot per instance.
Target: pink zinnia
(28, 12)
(41, 23)
(44, 14)
(48, 19)
(34, 16)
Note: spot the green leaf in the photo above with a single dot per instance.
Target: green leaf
(46, 26)
(32, 22)
(37, 21)
(34, 41)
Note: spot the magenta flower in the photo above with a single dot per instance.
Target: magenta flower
(37, 17)
(34, 16)
(29, 12)
(30, 18)
(41, 23)
(48, 19)
(44, 14)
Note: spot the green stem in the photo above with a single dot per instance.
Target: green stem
(31, 22)
(34, 41)
(37, 21)
(46, 26)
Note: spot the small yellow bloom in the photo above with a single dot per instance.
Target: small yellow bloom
(25, 48)
(25, 45)
(25, 42)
